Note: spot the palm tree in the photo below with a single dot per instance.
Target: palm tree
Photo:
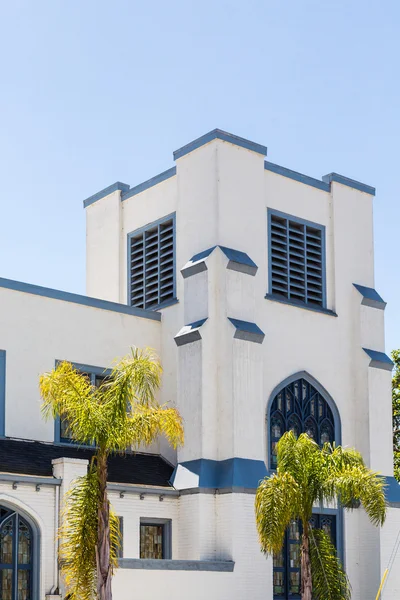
(307, 475)
(121, 413)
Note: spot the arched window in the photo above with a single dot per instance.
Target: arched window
(300, 407)
(16, 556)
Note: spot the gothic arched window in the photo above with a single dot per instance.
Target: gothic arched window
(300, 407)
(16, 556)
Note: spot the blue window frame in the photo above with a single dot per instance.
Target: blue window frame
(151, 265)
(16, 556)
(96, 375)
(2, 392)
(286, 574)
(300, 407)
(296, 260)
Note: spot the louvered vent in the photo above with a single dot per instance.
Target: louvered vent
(152, 265)
(296, 261)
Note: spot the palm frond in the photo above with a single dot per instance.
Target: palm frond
(360, 483)
(329, 580)
(134, 379)
(78, 537)
(68, 394)
(276, 505)
(144, 425)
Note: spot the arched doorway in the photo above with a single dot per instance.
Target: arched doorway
(16, 556)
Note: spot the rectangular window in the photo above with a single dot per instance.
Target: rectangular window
(151, 263)
(296, 260)
(286, 564)
(155, 538)
(96, 376)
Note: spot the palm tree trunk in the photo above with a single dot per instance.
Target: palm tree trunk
(306, 581)
(104, 571)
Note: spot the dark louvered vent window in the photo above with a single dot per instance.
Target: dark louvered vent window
(152, 262)
(296, 260)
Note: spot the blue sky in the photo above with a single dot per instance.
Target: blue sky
(96, 91)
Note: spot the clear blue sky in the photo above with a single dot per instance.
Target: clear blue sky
(94, 91)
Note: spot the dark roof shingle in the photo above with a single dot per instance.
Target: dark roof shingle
(34, 458)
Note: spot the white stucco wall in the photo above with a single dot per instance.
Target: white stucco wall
(36, 331)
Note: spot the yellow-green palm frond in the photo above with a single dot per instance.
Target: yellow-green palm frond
(276, 505)
(115, 538)
(329, 580)
(68, 394)
(359, 483)
(134, 379)
(301, 457)
(144, 425)
(78, 537)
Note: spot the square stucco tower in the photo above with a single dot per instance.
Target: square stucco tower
(264, 279)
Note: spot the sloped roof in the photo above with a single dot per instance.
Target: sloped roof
(34, 458)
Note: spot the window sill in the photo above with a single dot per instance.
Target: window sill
(324, 311)
(166, 304)
(222, 566)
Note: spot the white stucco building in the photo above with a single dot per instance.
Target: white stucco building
(255, 285)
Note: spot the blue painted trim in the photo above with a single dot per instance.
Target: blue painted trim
(270, 213)
(189, 333)
(320, 185)
(220, 135)
(357, 185)
(232, 472)
(238, 261)
(123, 187)
(320, 389)
(38, 290)
(173, 300)
(324, 311)
(324, 185)
(2, 393)
(379, 360)
(392, 491)
(141, 187)
(370, 297)
(247, 331)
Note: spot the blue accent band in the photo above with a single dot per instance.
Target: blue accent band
(233, 472)
(321, 185)
(357, 185)
(123, 187)
(149, 183)
(325, 184)
(38, 290)
(392, 491)
(2, 392)
(379, 360)
(220, 135)
(370, 297)
(247, 331)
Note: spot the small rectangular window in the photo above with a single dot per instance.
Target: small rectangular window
(155, 538)
(296, 260)
(151, 263)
